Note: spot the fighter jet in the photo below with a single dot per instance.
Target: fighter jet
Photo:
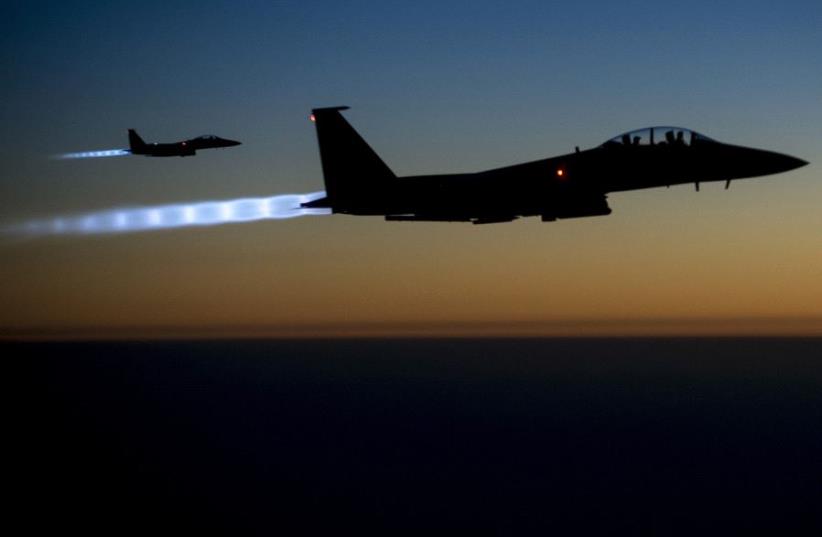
(186, 148)
(574, 185)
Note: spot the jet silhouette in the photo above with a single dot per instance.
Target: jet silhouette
(358, 182)
(185, 148)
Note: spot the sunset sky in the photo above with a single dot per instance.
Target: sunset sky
(435, 87)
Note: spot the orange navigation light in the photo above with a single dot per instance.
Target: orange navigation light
(560, 172)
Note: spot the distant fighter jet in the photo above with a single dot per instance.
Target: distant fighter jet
(358, 182)
(186, 148)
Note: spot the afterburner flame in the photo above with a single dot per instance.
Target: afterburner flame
(150, 218)
(95, 154)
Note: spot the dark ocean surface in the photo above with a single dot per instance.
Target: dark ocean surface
(498, 436)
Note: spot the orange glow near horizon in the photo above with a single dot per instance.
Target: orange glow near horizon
(640, 271)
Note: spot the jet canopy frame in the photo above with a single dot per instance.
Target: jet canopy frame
(659, 136)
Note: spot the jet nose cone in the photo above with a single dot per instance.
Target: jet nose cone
(770, 162)
(788, 162)
(800, 163)
(232, 143)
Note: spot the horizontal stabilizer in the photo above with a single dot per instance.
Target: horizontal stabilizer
(322, 203)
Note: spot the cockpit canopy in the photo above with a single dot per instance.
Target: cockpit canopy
(674, 136)
(207, 137)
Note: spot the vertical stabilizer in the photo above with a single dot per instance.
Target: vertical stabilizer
(135, 143)
(353, 172)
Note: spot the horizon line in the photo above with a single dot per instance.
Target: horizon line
(797, 326)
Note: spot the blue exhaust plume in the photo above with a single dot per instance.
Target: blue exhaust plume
(205, 213)
(95, 154)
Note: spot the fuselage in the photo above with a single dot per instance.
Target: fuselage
(185, 148)
(531, 188)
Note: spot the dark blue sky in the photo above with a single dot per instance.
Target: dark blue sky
(434, 87)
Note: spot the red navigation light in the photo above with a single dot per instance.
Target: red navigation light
(312, 118)
(560, 172)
